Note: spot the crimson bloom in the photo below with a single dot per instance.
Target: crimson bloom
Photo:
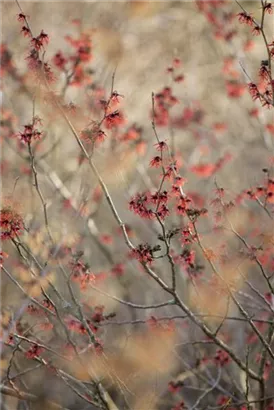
(11, 223)
(156, 162)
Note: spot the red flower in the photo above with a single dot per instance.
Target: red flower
(11, 223)
(183, 205)
(268, 8)
(253, 90)
(34, 351)
(245, 18)
(188, 257)
(174, 387)
(37, 43)
(179, 406)
(98, 316)
(156, 162)
(179, 78)
(115, 100)
(114, 119)
(161, 146)
(256, 31)
(159, 197)
(21, 17)
(26, 31)
(221, 357)
(139, 203)
(143, 253)
(264, 73)
(29, 133)
(163, 211)
(94, 134)
(43, 37)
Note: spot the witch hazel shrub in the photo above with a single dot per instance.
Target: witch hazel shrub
(136, 263)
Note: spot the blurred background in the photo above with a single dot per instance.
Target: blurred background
(215, 118)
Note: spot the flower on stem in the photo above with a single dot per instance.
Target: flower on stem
(156, 162)
(179, 181)
(114, 119)
(159, 197)
(138, 205)
(256, 31)
(170, 169)
(268, 7)
(11, 223)
(143, 253)
(29, 133)
(26, 31)
(21, 17)
(161, 146)
(37, 43)
(34, 351)
(245, 18)
(253, 90)
(43, 37)
(115, 98)
(95, 134)
(163, 211)
(188, 257)
(183, 205)
(179, 406)
(174, 387)
(221, 357)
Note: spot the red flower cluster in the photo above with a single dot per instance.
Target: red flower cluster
(38, 42)
(245, 18)
(94, 134)
(34, 351)
(174, 387)
(268, 7)
(83, 47)
(139, 203)
(221, 357)
(178, 78)
(114, 119)
(179, 406)
(143, 253)
(164, 100)
(11, 223)
(31, 132)
(188, 257)
(82, 55)
(183, 205)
